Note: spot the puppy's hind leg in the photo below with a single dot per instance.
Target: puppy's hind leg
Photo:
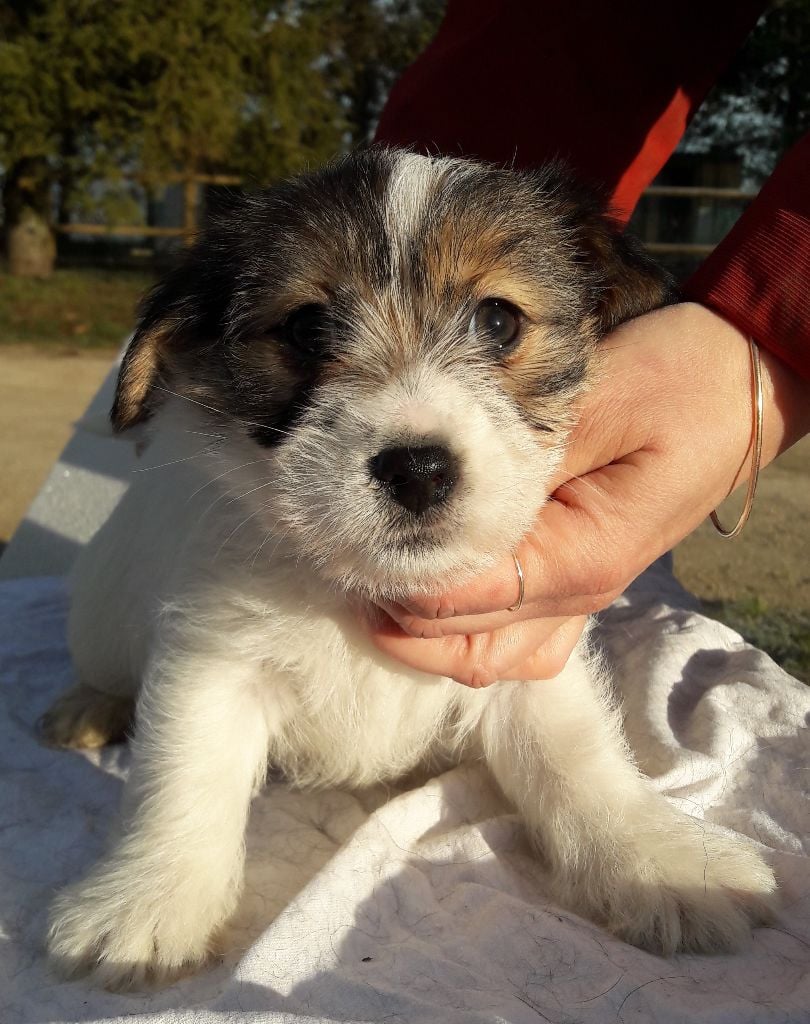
(85, 718)
(617, 851)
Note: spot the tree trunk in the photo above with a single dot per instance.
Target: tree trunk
(30, 243)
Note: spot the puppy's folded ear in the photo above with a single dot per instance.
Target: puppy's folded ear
(175, 319)
(141, 369)
(628, 282)
(625, 280)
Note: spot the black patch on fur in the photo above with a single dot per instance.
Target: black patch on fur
(567, 378)
(271, 428)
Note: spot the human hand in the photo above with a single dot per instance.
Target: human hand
(663, 437)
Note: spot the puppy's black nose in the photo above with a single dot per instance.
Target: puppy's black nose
(417, 478)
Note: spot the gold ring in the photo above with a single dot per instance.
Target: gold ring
(521, 587)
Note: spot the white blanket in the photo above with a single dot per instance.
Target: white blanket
(428, 908)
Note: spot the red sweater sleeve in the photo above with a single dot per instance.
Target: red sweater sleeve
(610, 87)
(759, 275)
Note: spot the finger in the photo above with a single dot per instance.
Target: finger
(431, 629)
(491, 593)
(481, 659)
(551, 658)
(606, 432)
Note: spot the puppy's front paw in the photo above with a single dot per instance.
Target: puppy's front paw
(133, 931)
(692, 891)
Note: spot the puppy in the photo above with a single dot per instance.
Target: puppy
(358, 383)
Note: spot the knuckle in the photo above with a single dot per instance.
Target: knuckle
(421, 629)
(587, 604)
(476, 670)
(422, 607)
(446, 607)
(598, 602)
(554, 664)
(482, 676)
(475, 676)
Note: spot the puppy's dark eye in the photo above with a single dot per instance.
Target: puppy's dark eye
(307, 329)
(498, 322)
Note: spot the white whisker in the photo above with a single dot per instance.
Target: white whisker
(236, 529)
(233, 469)
(209, 450)
(221, 412)
(258, 487)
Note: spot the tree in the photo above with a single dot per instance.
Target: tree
(293, 115)
(378, 40)
(320, 73)
(66, 113)
(93, 91)
(761, 105)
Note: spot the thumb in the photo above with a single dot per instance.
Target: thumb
(593, 537)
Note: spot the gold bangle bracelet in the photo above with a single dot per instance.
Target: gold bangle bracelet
(756, 445)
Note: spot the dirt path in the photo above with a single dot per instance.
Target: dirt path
(42, 393)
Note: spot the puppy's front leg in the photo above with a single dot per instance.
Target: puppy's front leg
(150, 906)
(617, 851)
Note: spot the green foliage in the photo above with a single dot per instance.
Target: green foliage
(376, 41)
(294, 114)
(66, 96)
(106, 90)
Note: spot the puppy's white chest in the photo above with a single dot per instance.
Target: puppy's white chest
(349, 718)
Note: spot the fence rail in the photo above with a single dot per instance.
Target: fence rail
(191, 194)
(698, 192)
(684, 248)
(121, 230)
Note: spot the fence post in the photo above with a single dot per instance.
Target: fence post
(191, 198)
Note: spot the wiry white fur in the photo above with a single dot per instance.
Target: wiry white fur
(412, 183)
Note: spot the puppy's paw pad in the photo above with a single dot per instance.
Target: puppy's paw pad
(84, 718)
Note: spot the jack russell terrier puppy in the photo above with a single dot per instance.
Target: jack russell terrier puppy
(358, 384)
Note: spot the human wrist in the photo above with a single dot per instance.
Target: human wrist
(786, 395)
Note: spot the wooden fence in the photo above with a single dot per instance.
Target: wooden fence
(691, 192)
(191, 207)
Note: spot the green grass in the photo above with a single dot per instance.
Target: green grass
(785, 635)
(75, 309)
